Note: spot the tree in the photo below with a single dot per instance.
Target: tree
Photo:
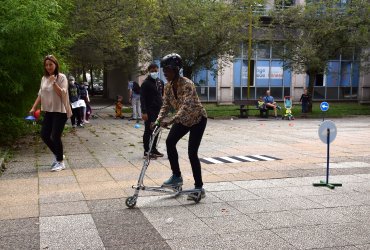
(201, 31)
(318, 32)
(29, 30)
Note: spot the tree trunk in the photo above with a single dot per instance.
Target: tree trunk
(311, 83)
(91, 82)
(84, 78)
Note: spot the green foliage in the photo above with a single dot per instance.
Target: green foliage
(337, 109)
(200, 31)
(29, 30)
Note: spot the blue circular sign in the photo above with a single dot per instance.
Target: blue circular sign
(324, 106)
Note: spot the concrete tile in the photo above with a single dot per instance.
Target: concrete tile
(255, 240)
(126, 217)
(235, 195)
(154, 245)
(291, 203)
(69, 223)
(163, 213)
(357, 213)
(363, 247)
(278, 219)
(19, 226)
(210, 198)
(255, 206)
(308, 237)
(18, 212)
(8, 200)
(92, 175)
(43, 181)
(271, 192)
(336, 200)
(85, 239)
(65, 208)
(310, 190)
(232, 223)
(220, 186)
(116, 235)
(97, 206)
(199, 242)
(172, 229)
(20, 241)
(212, 209)
(157, 201)
(354, 233)
(62, 196)
(322, 216)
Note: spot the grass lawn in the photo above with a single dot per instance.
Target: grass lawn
(336, 109)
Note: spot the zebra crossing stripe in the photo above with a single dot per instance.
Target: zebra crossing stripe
(278, 159)
(213, 161)
(263, 157)
(245, 158)
(237, 159)
(230, 159)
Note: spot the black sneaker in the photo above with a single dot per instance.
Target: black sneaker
(156, 153)
(152, 156)
(202, 194)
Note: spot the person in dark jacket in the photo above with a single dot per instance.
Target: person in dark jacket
(151, 103)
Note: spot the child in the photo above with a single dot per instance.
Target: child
(119, 106)
(261, 103)
(305, 99)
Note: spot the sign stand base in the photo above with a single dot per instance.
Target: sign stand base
(325, 184)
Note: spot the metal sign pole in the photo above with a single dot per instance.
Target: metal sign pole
(327, 133)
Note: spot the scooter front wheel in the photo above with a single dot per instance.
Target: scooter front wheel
(131, 201)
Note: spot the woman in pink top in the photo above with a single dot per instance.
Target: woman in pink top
(53, 96)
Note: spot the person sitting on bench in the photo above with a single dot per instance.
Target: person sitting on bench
(270, 103)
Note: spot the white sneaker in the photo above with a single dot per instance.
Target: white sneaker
(55, 161)
(58, 167)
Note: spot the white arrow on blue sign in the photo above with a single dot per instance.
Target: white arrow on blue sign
(324, 106)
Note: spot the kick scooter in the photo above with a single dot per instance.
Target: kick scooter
(195, 194)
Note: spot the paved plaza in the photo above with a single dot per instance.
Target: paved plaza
(266, 202)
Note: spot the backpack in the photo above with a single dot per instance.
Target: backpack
(83, 92)
(136, 88)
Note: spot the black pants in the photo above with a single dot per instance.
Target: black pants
(51, 132)
(76, 115)
(152, 116)
(196, 133)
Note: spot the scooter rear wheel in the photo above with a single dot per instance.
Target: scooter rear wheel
(131, 201)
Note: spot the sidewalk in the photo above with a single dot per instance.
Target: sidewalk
(260, 203)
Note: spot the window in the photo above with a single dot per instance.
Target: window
(279, 4)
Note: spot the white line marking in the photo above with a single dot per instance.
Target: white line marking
(263, 157)
(212, 160)
(246, 158)
(230, 159)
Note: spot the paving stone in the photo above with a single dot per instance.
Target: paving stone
(255, 240)
(212, 209)
(97, 206)
(127, 217)
(84, 239)
(116, 235)
(235, 195)
(322, 216)
(220, 186)
(354, 233)
(308, 237)
(20, 241)
(232, 223)
(164, 213)
(200, 242)
(154, 245)
(255, 206)
(336, 200)
(19, 226)
(278, 219)
(172, 228)
(61, 197)
(64, 208)
(66, 223)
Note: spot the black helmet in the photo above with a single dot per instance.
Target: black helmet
(172, 60)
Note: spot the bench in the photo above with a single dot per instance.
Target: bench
(251, 105)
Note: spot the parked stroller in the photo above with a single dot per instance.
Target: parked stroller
(288, 105)
(195, 194)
